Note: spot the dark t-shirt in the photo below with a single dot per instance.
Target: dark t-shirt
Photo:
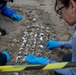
(3, 59)
(3, 1)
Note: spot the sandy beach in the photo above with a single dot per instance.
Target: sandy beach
(40, 23)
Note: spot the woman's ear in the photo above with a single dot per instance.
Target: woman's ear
(72, 5)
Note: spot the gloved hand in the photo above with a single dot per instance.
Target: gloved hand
(52, 44)
(30, 58)
(17, 16)
(10, 13)
(7, 55)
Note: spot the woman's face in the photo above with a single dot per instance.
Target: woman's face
(69, 13)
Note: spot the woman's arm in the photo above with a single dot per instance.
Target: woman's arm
(73, 46)
(64, 44)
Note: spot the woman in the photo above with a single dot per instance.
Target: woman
(66, 10)
(7, 11)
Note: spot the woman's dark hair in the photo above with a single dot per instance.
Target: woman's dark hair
(64, 2)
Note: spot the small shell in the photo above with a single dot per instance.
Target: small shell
(35, 35)
(39, 54)
(21, 48)
(23, 44)
(15, 40)
(41, 46)
(24, 41)
(47, 31)
(18, 57)
(47, 28)
(28, 27)
(53, 35)
(23, 38)
(19, 52)
(34, 19)
(26, 32)
(41, 38)
(12, 44)
(23, 59)
(28, 14)
(20, 9)
(25, 35)
(41, 34)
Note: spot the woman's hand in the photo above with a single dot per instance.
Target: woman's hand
(52, 44)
